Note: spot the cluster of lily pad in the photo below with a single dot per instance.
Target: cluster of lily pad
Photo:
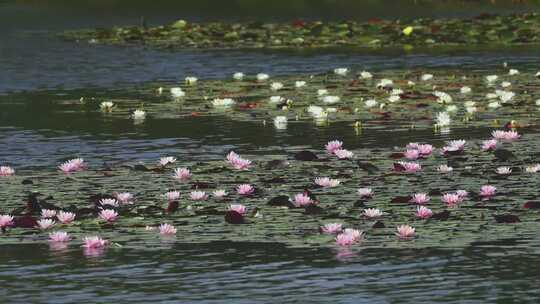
(407, 99)
(303, 199)
(518, 29)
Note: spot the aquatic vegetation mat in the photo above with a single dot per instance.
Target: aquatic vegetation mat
(285, 202)
(487, 30)
(402, 99)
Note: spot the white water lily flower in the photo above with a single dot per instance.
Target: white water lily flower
(513, 72)
(322, 92)
(465, 90)
(262, 77)
(341, 71)
(238, 76)
(299, 84)
(505, 84)
(491, 96)
(177, 92)
(537, 102)
(385, 83)
(276, 86)
(373, 213)
(411, 83)
(317, 112)
(191, 80)
(492, 78)
(532, 169)
(276, 99)
(396, 92)
(394, 98)
(494, 105)
(370, 103)
(223, 102)
(443, 97)
(331, 110)
(443, 119)
(331, 99)
(106, 106)
(471, 110)
(469, 103)
(427, 77)
(366, 75)
(505, 96)
(280, 122)
(139, 115)
(451, 108)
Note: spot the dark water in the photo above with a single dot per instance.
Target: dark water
(31, 135)
(268, 273)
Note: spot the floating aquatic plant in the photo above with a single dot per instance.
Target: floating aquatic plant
(518, 29)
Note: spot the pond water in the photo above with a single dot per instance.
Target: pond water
(37, 69)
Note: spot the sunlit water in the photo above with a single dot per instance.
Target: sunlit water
(32, 60)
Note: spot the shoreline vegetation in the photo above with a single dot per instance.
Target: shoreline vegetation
(483, 30)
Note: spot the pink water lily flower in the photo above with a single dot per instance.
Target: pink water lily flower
(245, 189)
(59, 236)
(487, 191)
(124, 198)
(6, 171)
(452, 199)
(410, 167)
(343, 154)
(412, 154)
(505, 135)
(219, 193)
(172, 196)
(239, 208)
(108, 215)
(45, 224)
(498, 134)
(412, 146)
(462, 193)
(73, 165)
(48, 213)
(238, 162)
(65, 217)
(423, 212)
(166, 160)
(332, 228)
(94, 242)
(182, 174)
(489, 145)
(327, 182)
(68, 167)
(405, 232)
(425, 150)
(6, 221)
(454, 146)
(333, 145)
(302, 200)
(167, 229)
(420, 198)
(198, 195)
(109, 201)
(349, 237)
(365, 192)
